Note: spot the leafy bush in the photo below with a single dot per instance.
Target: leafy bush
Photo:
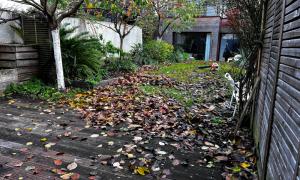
(36, 89)
(117, 65)
(83, 55)
(141, 57)
(160, 51)
(152, 52)
(155, 52)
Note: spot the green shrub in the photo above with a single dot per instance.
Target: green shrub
(141, 57)
(83, 55)
(36, 89)
(117, 65)
(155, 52)
(159, 51)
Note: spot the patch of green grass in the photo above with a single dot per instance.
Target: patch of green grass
(232, 69)
(183, 72)
(216, 121)
(38, 90)
(183, 97)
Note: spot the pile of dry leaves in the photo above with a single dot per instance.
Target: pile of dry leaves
(204, 127)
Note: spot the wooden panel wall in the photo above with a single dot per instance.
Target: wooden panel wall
(23, 58)
(36, 31)
(278, 112)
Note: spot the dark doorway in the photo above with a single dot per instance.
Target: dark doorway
(191, 42)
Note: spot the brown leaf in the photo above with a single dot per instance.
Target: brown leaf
(18, 164)
(58, 162)
(75, 176)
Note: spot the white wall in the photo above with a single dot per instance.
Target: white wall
(97, 28)
(7, 34)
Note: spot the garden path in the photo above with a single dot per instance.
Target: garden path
(26, 126)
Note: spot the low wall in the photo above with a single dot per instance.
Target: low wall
(7, 76)
(97, 28)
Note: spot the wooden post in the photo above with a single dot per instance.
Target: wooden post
(273, 97)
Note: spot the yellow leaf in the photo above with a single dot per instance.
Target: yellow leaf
(29, 143)
(142, 171)
(236, 169)
(194, 132)
(245, 165)
(66, 176)
(29, 129)
(11, 101)
(43, 139)
(90, 6)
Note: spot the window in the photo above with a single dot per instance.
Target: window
(193, 43)
(229, 46)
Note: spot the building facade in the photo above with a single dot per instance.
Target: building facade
(211, 38)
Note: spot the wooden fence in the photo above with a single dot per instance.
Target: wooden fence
(277, 116)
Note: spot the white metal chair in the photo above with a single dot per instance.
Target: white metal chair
(235, 92)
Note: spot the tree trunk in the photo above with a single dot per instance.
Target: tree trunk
(121, 43)
(121, 48)
(58, 59)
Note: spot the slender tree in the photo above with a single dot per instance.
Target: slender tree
(55, 11)
(123, 14)
(173, 14)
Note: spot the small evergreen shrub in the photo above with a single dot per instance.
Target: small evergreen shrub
(83, 55)
(159, 51)
(156, 52)
(36, 89)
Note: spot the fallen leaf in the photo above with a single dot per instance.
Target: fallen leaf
(137, 139)
(94, 135)
(130, 156)
(29, 143)
(110, 143)
(18, 164)
(58, 171)
(142, 170)
(245, 165)
(8, 175)
(72, 166)
(75, 176)
(43, 139)
(28, 129)
(29, 168)
(236, 169)
(161, 143)
(221, 158)
(58, 162)
(66, 176)
(159, 152)
(175, 162)
(49, 145)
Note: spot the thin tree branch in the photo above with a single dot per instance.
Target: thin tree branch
(3, 20)
(53, 8)
(73, 9)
